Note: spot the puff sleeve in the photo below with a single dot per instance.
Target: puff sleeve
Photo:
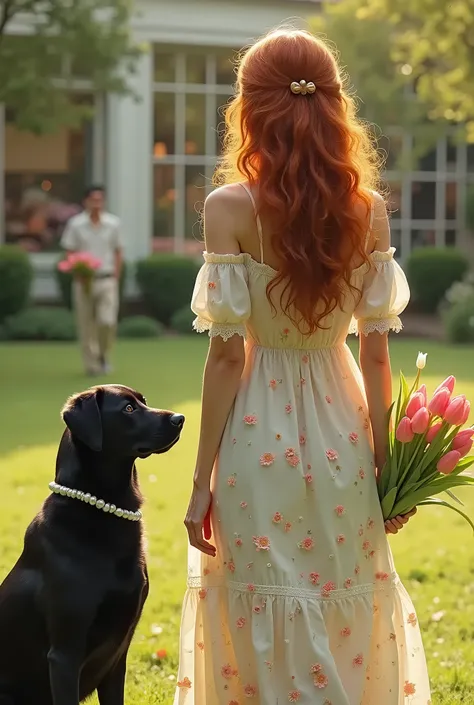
(221, 299)
(385, 294)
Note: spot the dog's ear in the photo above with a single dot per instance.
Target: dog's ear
(81, 414)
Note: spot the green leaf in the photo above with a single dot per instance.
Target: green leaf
(388, 502)
(453, 496)
(443, 503)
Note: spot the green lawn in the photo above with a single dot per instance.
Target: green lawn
(435, 554)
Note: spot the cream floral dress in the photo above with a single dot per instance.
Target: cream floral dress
(302, 603)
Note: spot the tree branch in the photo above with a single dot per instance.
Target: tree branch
(7, 12)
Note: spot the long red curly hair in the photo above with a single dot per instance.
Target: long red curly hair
(312, 160)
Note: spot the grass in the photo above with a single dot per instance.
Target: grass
(434, 554)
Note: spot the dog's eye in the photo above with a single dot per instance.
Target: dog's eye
(129, 408)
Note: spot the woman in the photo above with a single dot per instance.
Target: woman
(296, 599)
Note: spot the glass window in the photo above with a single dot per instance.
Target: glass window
(164, 66)
(424, 157)
(394, 200)
(164, 197)
(225, 70)
(195, 195)
(164, 125)
(195, 124)
(45, 177)
(422, 238)
(451, 155)
(451, 238)
(196, 68)
(220, 121)
(451, 194)
(423, 200)
(396, 241)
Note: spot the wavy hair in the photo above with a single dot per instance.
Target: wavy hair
(312, 160)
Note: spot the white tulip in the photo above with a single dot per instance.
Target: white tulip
(421, 360)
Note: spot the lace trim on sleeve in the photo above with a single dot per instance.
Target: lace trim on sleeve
(380, 259)
(224, 330)
(379, 325)
(212, 258)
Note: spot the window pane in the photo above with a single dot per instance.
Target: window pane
(423, 200)
(195, 124)
(420, 238)
(451, 193)
(394, 200)
(396, 242)
(225, 74)
(164, 196)
(195, 195)
(451, 238)
(196, 68)
(44, 181)
(223, 101)
(164, 124)
(165, 66)
(391, 150)
(451, 154)
(425, 159)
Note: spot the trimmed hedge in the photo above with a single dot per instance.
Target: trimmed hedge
(40, 323)
(166, 283)
(182, 321)
(431, 271)
(16, 275)
(139, 327)
(459, 321)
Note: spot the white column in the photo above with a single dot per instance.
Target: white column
(2, 173)
(129, 158)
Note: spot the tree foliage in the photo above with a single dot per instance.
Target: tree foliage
(46, 45)
(411, 60)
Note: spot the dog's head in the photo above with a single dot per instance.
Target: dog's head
(113, 419)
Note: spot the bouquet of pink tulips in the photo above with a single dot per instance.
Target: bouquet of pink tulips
(82, 265)
(427, 450)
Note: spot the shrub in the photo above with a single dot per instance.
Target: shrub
(64, 282)
(166, 283)
(16, 275)
(139, 327)
(459, 321)
(431, 271)
(41, 323)
(182, 321)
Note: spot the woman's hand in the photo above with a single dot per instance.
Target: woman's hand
(393, 526)
(197, 521)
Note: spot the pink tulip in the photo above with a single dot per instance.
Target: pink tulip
(448, 462)
(64, 266)
(461, 438)
(415, 404)
(439, 402)
(420, 421)
(467, 411)
(465, 449)
(433, 432)
(455, 410)
(449, 383)
(404, 432)
(422, 390)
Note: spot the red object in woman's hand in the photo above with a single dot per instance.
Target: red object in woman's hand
(207, 524)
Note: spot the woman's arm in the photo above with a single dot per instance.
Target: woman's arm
(222, 373)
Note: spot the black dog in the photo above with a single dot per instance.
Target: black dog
(69, 607)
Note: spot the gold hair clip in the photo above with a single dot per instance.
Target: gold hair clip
(302, 88)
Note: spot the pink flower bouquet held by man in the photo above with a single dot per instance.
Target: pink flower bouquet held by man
(427, 450)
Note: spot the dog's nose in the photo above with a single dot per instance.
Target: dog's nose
(177, 420)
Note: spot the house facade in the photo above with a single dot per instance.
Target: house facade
(156, 154)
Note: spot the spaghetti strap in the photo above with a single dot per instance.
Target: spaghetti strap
(371, 221)
(257, 219)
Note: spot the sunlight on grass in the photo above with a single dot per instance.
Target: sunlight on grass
(434, 554)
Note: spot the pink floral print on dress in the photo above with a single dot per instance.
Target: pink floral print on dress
(267, 459)
(273, 384)
(409, 688)
(288, 408)
(292, 457)
(331, 454)
(288, 526)
(302, 381)
(346, 631)
(412, 620)
(315, 668)
(211, 285)
(251, 587)
(353, 437)
(227, 671)
(381, 575)
(185, 684)
(241, 622)
(328, 588)
(340, 510)
(302, 439)
(348, 583)
(232, 481)
(250, 419)
(314, 578)
(243, 505)
(308, 478)
(370, 523)
(261, 543)
(231, 567)
(341, 539)
(358, 660)
(202, 593)
(361, 473)
(328, 399)
(294, 696)
(238, 542)
(200, 645)
(277, 518)
(250, 691)
(257, 609)
(320, 680)
(206, 571)
(305, 359)
(306, 544)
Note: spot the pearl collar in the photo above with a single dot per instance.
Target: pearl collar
(94, 502)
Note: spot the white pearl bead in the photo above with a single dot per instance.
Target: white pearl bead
(113, 508)
(139, 515)
(93, 500)
(100, 503)
(87, 497)
(52, 486)
(119, 512)
(63, 491)
(126, 514)
(106, 507)
(73, 494)
(80, 495)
